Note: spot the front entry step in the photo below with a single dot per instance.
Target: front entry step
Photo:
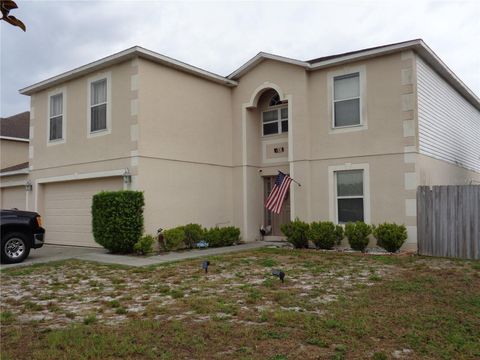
(272, 238)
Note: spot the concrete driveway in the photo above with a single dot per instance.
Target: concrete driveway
(55, 253)
(49, 253)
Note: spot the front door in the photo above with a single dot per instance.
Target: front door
(270, 218)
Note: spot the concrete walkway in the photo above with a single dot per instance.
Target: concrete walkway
(50, 253)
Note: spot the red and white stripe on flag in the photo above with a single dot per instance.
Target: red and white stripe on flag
(274, 201)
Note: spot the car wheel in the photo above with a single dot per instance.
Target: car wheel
(15, 248)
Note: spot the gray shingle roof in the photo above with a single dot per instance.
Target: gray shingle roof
(17, 126)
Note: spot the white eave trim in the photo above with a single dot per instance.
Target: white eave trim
(14, 138)
(415, 45)
(15, 172)
(421, 49)
(265, 56)
(123, 56)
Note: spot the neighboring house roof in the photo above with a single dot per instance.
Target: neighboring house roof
(415, 45)
(15, 127)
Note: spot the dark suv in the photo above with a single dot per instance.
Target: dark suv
(20, 232)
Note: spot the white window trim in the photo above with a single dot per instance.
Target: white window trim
(332, 193)
(108, 130)
(278, 121)
(52, 93)
(347, 70)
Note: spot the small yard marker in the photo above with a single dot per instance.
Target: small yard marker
(205, 265)
(279, 273)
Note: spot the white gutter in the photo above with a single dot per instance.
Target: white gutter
(14, 138)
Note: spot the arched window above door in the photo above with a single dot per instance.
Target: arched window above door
(275, 117)
(275, 100)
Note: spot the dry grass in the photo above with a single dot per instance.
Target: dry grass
(331, 306)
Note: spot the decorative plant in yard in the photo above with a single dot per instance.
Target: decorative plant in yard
(193, 234)
(296, 233)
(323, 234)
(144, 245)
(174, 238)
(357, 234)
(224, 236)
(390, 236)
(117, 219)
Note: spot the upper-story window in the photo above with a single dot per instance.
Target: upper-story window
(56, 117)
(275, 120)
(346, 100)
(98, 105)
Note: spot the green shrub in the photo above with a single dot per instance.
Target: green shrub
(390, 236)
(230, 235)
(357, 234)
(213, 237)
(193, 234)
(174, 238)
(296, 233)
(339, 234)
(226, 236)
(117, 219)
(144, 245)
(322, 234)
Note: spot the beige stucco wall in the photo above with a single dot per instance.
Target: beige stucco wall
(178, 193)
(12, 153)
(183, 117)
(184, 148)
(78, 147)
(438, 172)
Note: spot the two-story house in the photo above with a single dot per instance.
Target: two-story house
(14, 143)
(360, 131)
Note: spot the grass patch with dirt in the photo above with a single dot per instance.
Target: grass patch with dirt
(331, 306)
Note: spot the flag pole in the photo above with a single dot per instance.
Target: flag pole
(295, 181)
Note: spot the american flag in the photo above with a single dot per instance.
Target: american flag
(277, 195)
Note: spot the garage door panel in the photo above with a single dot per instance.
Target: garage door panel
(67, 212)
(65, 220)
(67, 209)
(13, 197)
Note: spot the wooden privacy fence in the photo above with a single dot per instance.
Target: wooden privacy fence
(448, 221)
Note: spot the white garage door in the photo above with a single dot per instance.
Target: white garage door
(13, 197)
(67, 209)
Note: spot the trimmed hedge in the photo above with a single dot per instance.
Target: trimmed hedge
(144, 245)
(296, 233)
(357, 234)
(224, 236)
(193, 234)
(323, 234)
(174, 238)
(117, 219)
(189, 235)
(390, 236)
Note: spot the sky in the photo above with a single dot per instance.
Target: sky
(221, 36)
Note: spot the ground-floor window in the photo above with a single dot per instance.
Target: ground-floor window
(349, 196)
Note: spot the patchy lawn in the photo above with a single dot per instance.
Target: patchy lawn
(331, 306)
